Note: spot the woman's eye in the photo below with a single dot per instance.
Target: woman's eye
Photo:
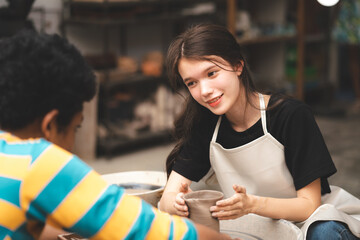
(210, 74)
(189, 84)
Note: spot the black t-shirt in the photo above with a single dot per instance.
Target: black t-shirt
(291, 123)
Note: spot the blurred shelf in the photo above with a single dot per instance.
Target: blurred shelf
(116, 144)
(96, 22)
(266, 39)
(110, 80)
(315, 38)
(115, 13)
(104, 3)
(310, 38)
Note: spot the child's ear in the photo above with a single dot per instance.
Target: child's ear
(239, 68)
(49, 125)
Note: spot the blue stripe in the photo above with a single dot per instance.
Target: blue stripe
(22, 149)
(191, 233)
(101, 211)
(171, 235)
(38, 149)
(4, 232)
(25, 148)
(10, 190)
(143, 223)
(59, 187)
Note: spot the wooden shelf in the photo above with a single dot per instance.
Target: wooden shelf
(280, 38)
(101, 22)
(315, 38)
(266, 39)
(115, 13)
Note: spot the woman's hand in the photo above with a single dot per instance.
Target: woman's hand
(171, 200)
(234, 207)
(179, 204)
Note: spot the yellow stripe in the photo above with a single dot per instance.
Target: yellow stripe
(11, 216)
(122, 219)
(160, 228)
(14, 167)
(7, 238)
(79, 201)
(180, 227)
(9, 137)
(42, 171)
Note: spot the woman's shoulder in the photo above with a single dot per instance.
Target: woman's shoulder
(288, 116)
(286, 105)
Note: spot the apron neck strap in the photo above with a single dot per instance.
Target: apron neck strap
(263, 112)
(216, 130)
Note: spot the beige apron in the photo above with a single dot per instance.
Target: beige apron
(260, 167)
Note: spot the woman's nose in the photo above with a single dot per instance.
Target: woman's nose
(205, 88)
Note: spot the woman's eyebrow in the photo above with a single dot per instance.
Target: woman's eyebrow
(187, 79)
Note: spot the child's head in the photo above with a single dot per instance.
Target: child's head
(40, 73)
(200, 42)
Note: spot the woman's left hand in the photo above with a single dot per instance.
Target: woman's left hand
(234, 207)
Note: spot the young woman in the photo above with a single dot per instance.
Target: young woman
(267, 151)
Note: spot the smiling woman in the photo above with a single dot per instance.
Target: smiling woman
(265, 149)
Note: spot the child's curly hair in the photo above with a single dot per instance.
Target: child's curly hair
(38, 73)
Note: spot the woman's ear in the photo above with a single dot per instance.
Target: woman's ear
(239, 68)
(49, 126)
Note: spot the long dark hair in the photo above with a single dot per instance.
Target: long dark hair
(200, 42)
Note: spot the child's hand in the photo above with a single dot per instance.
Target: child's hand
(234, 207)
(179, 204)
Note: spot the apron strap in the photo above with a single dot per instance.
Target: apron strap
(216, 130)
(263, 113)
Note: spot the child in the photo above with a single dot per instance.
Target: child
(266, 150)
(44, 82)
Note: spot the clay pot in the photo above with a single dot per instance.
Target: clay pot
(199, 203)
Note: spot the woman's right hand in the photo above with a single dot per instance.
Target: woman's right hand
(179, 204)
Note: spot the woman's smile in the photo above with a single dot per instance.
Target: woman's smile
(215, 101)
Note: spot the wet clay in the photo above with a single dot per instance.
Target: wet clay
(199, 203)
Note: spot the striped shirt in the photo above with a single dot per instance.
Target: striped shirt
(42, 183)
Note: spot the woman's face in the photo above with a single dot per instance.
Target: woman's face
(213, 84)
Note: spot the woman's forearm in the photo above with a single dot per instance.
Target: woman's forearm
(167, 202)
(292, 209)
(296, 209)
